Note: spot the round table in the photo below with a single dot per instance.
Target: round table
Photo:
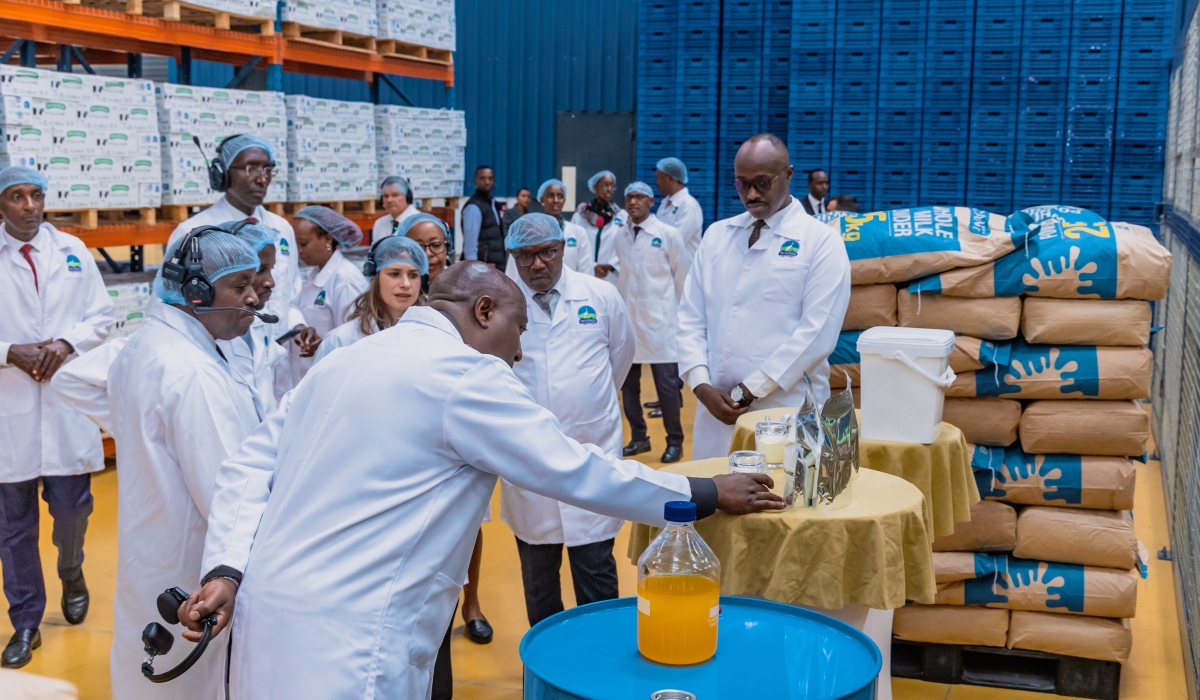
(941, 470)
(874, 552)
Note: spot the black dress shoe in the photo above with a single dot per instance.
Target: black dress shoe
(75, 600)
(673, 453)
(650, 404)
(656, 413)
(479, 631)
(636, 447)
(20, 648)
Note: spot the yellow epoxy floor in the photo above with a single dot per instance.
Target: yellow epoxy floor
(493, 672)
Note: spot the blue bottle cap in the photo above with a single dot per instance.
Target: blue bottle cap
(679, 512)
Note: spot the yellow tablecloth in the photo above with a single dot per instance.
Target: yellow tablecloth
(942, 470)
(874, 552)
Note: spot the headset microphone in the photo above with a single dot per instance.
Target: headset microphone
(266, 318)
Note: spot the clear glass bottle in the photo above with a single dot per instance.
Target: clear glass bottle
(679, 592)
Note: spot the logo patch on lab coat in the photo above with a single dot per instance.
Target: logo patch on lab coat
(587, 315)
(571, 243)
(73, 264)
(284, 248)
(789, 249)
(656, 242)
(320, 300)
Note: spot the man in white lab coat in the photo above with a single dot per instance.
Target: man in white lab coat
(577, 244)
(347, 584)
(654, 265)
(55, 305)
(574, 355)
(250, 166)
(763, 304)
(679, 208)
(177, 410)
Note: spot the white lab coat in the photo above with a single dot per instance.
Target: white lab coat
(654, 267)
(762, 309)
(383, 225)
(346, 334)
(255, 362)
(39, 434)
(83, 382)
(577, 252)
(362, 525)
(683, 212)
(573, 366)
(608, 251)
(178, 411)
(326, 300)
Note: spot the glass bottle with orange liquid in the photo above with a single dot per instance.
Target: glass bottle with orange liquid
(678, 592)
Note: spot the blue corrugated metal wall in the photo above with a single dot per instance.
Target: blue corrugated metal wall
(518, 63)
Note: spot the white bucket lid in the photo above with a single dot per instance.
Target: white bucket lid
(916, 342)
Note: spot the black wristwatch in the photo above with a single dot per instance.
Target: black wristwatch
(739, 396)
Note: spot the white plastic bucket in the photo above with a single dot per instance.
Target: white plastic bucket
(905, 372)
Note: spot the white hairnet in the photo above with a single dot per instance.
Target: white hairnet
(639, 188)
(532, 229)
(344, 231)
(223, 254)
(673, 167)
(399, 249)
(397, 181)
(20, 175)
(257, 236)
(422, 218)
(596, 178)
(546, 185)
(234, 145)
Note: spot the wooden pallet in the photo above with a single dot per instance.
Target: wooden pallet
(92, 218)
(184, 12)
(399, 49)
(294, 31)
(345, 207)
(427, 204)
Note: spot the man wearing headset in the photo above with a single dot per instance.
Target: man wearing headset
(242, 170)
(397, 202)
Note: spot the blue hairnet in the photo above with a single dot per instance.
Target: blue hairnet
(532, 229)
(19, 175)
(546, 185)
(422, 218)
(223, 254)
(673, 167)
(398, 181)
(344, 231)
(231, 147)
(257, 236)
(400, 249)
(596, 178)
(640, 188)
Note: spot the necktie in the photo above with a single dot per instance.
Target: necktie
(636, 231)
(758, 227)
(251, 220)
(543, 300)
(25, 250)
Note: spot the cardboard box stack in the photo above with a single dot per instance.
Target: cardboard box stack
(244, 8)
(331, 150)
(212, 115)
(93, 137)
(422, 22)
(353, 16)
(129, 307)
(425, 146)
(1051, 361)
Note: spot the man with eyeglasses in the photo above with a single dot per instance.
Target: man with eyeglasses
(576, 351)
(577, 252)
(250, 167)
(763, 304)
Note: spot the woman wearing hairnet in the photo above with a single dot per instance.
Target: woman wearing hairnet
(397, 202)
(396, 266)
(601, 219)
(433, 236)
(331, 284)
(178, 410)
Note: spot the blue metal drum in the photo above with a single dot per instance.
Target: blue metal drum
(764, 650)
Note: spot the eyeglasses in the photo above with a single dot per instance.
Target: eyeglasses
(547, 255)
(433, 248)
(761, 185)
(253, 171)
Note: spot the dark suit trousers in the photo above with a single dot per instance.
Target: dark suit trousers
(593, 573)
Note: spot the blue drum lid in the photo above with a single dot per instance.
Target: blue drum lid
(764, 650)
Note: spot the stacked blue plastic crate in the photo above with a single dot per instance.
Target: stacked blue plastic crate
(1142, 87)
(856, 59)
(1095, 49)
(741, 91)
(995, 99)
(1043, 92)
(902, 35)
(945, 119)
(696, 117)
(658, 78)
(810, 97)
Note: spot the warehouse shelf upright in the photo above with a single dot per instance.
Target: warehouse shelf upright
(83, 32)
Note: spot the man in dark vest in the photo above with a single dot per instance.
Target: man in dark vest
(483, 238)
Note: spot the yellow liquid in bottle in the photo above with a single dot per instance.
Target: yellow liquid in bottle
(677, 618)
